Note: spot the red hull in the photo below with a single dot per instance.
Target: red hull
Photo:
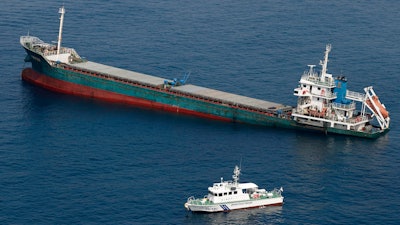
(56, 85)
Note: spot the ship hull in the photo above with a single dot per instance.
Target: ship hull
(55, 80)
(71, 82)
(224, 207)
(50, 83)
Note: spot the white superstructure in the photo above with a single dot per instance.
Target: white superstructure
(231, 195)
(324, 101)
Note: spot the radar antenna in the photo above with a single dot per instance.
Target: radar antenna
(236, 174)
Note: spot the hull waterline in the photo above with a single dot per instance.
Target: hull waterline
(31, 76)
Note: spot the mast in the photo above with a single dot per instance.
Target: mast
(324, 64)
(236, 174)
(62, 12)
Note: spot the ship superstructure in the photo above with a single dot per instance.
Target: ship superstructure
(324, 101)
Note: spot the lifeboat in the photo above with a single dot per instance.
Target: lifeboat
(378, 104)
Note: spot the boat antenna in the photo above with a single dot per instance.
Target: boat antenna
(62, 12)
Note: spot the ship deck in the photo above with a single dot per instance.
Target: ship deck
(187, 89)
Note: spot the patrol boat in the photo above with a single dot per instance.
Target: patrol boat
(231, 195)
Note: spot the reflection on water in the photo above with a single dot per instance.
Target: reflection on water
(319, 144)
(265, 215)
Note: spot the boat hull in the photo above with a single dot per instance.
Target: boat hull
(58, 79)
(229, 206)
(50, 83)
(71, 82)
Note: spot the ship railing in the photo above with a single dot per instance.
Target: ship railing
(307, 73)
(329, 95)
(62, 51)
(194, 201)
(274, 111)
(332, 95)
(344, 106)
(355, 95)
(317, 80)
(352, 120)
(191, 198)
(46, 49)
(277, 192)
(30, 39)
(54, 52)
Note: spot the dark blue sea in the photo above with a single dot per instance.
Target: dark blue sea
(71, 160)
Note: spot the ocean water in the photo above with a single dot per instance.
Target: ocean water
(70, 160)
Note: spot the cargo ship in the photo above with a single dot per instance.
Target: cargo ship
(323, 102)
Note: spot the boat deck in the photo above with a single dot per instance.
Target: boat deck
(187, 89)
(121, 73)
